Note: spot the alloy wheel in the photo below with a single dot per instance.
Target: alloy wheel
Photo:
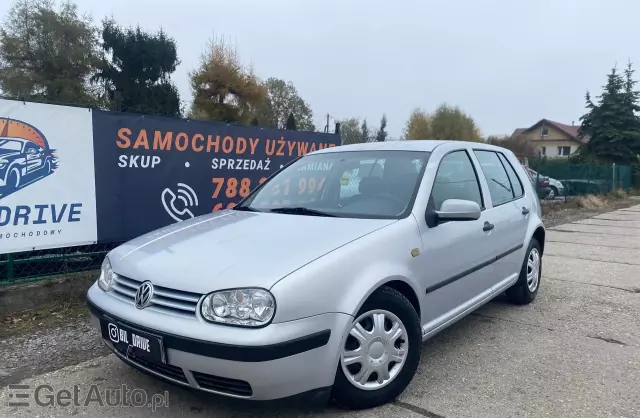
(533, 270)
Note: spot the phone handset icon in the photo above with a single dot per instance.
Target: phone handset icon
(177, 204)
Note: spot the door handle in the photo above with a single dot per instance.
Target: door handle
(525, 211)
(487, 226)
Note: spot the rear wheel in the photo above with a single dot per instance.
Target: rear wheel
(381, 353)
(553, 193)
(524, 291)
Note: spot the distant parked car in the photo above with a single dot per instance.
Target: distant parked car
(556, 188)
(543, 188)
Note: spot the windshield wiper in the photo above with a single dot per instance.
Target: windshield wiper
(298, 210)
(246, 209)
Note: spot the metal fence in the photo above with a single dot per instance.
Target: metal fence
(564, 179)
(34, 265)
(577, 179)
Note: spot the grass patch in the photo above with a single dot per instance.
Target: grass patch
(57, 314)
(581, 207)
(591, 202)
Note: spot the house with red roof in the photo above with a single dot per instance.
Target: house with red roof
(552, 139)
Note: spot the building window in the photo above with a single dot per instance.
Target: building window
(543, 151)
(544, 132)
(564, 151)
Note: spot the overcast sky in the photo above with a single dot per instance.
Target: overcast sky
(508, 63)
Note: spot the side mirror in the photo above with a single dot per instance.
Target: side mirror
(458, 210)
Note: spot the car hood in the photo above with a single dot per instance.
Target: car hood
(234, 249)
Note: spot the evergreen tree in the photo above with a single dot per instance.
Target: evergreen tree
(609, 122)
(137, 75)
(291, 122)
(631, 120)
(366, 135)
(381, 136)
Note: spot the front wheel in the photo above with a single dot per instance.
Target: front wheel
(524, 291)
(381, 353)
(13, 180)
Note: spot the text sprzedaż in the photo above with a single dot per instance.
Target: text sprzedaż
(240, 164)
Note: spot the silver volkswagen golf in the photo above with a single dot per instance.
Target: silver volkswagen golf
(325, 280)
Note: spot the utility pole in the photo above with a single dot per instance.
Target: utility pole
(326, 128)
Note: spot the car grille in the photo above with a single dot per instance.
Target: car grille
(165, 300)
(165, 370)
(223, 384)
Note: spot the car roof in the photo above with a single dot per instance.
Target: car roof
(426, 145)
(10, 138)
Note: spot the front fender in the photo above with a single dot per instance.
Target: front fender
(342, 280)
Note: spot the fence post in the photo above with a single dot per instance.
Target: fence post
(10, 267)
(613, 179)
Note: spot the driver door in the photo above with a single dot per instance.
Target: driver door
(456, 261)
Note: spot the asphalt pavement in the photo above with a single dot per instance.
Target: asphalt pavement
(574, 352)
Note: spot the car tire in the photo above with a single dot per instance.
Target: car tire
(396, 309)
(524, 291)
(13, 179)
(553, 193)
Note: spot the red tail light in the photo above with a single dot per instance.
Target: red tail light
(544, 184)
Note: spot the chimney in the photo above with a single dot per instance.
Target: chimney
(572, 123)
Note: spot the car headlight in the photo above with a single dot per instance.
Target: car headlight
(244, 307)
(106, 275)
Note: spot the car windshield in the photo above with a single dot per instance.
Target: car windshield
(10, 145)
(353, 184)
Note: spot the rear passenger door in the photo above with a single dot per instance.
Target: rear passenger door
(507, 213)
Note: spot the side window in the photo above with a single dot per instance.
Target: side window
(456, 179)
(518, 191)
(497, 178)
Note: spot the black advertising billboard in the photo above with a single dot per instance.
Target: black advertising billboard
(152, 171)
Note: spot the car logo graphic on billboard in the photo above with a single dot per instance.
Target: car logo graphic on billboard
(25, 156)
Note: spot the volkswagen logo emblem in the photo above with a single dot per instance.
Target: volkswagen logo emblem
(143, 295)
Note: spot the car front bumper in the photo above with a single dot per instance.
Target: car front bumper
(277, 361)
